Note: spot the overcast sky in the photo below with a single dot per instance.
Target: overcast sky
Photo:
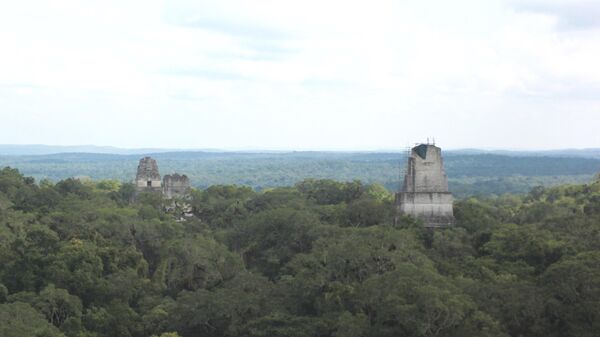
(310, 74)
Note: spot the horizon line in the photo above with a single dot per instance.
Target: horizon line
(148, 149)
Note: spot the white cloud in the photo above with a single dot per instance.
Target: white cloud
(310, 74)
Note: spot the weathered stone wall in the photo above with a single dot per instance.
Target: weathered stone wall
(426, 204)
(148, 177)
(425, 193)
(425, 174)
(175, 185)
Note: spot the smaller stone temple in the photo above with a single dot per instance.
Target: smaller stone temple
(148, 179)
(424, 194)
(175, 185)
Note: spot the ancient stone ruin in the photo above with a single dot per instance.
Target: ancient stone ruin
(424, 194)
(175, 185)
(148, 179)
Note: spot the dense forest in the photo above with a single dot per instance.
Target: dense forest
(81, 258)
(470, 173)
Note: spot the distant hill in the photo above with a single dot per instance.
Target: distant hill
(583, 153)
(469, 172)
(39, 149)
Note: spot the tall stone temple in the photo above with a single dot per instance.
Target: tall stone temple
(424, 194)
(148, 179)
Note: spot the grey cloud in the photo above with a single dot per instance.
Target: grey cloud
(183, 96)
(262, 42)
(572, 15)
(238, 29)
(256, 51)
(19, 86)
(559, 89)
(266, 50)
(9, 89)
(208, 74)
(335, 84)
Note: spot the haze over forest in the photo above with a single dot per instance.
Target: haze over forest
(471, 172)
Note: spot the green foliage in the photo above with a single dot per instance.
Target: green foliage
(414, 301)
(3, 293)
(21, 320)
(526, 243)
(573, 287)
(268, 240)
(84, 258)
(190, 264)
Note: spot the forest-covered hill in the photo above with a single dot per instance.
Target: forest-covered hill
(319, 258)
(469, 174)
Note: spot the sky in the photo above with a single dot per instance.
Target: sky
(301, 75)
